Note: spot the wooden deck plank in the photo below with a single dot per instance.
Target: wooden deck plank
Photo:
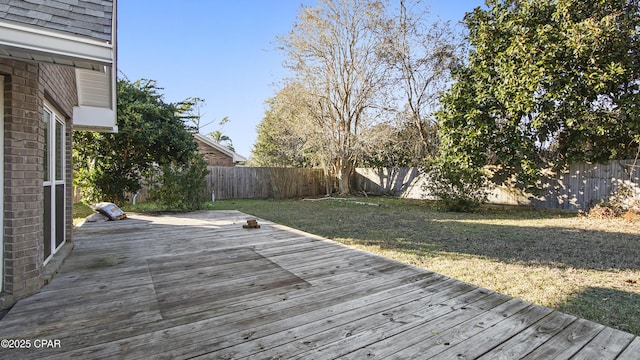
(346, 313)
(252, 305)
(387, 337)
(567, 342)
(287, 329)
(198, 285)
(85, 331)
(631, 351)
(201, 333)
(473, 346)
(329, 330)
(463, 331)
(437, 335)
(530, 338)
(607, 345)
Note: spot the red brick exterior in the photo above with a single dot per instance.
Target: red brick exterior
(26, 86)
(213, 156)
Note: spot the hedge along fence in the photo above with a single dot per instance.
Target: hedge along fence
(577, 188)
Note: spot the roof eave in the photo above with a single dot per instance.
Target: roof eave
(95, 62)
(26, 42)
(235, 156)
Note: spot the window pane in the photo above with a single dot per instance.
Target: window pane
(59, 151)
(59, 214)
(47, 122)
(47, 221)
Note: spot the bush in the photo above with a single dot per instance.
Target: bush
(182, 187)
(621, 204)
(457, 189)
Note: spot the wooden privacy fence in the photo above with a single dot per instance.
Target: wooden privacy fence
(263, 182)
(253, 183)
(577, 188)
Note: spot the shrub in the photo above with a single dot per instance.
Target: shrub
(182, 187)
(457, 189)
(621, 204)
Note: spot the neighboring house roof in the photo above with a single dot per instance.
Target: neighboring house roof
(78, 33)
(208, 141)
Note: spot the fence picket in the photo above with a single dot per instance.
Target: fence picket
(579, 187)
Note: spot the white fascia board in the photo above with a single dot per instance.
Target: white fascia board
(91, 118)
(51, 43)
(238, 158)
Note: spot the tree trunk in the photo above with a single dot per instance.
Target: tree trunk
(344, 172)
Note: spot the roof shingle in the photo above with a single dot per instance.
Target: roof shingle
(90, 18)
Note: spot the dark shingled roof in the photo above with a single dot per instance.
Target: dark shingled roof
(90, 18)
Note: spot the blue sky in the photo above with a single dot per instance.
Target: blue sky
(221, 51)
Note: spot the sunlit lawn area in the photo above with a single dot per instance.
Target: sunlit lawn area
(585, 267)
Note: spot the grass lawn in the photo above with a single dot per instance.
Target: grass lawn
(586, 267)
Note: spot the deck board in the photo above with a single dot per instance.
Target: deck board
(198, 285)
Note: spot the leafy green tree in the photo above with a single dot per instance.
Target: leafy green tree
(286, 134)
(108, 166)
(547, 82)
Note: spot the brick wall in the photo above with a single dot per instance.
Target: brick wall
(26, 87)
(23, 194)
(213, 156)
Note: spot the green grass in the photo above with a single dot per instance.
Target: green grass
(586, 267)
(80, 212)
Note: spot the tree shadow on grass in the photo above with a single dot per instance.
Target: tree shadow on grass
(551, 246)
(610, 307)
(433, 234)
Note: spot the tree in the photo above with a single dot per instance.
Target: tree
(421, 52)
(333, 51)
(386, 147)
(219, 137)
(108, 166)
(285, 134)
(191, 113)
(547, 82)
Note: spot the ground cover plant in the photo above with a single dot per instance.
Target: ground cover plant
(582, 266)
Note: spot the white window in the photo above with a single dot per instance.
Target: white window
(54, 181)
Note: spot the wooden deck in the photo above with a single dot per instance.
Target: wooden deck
(200, 286)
